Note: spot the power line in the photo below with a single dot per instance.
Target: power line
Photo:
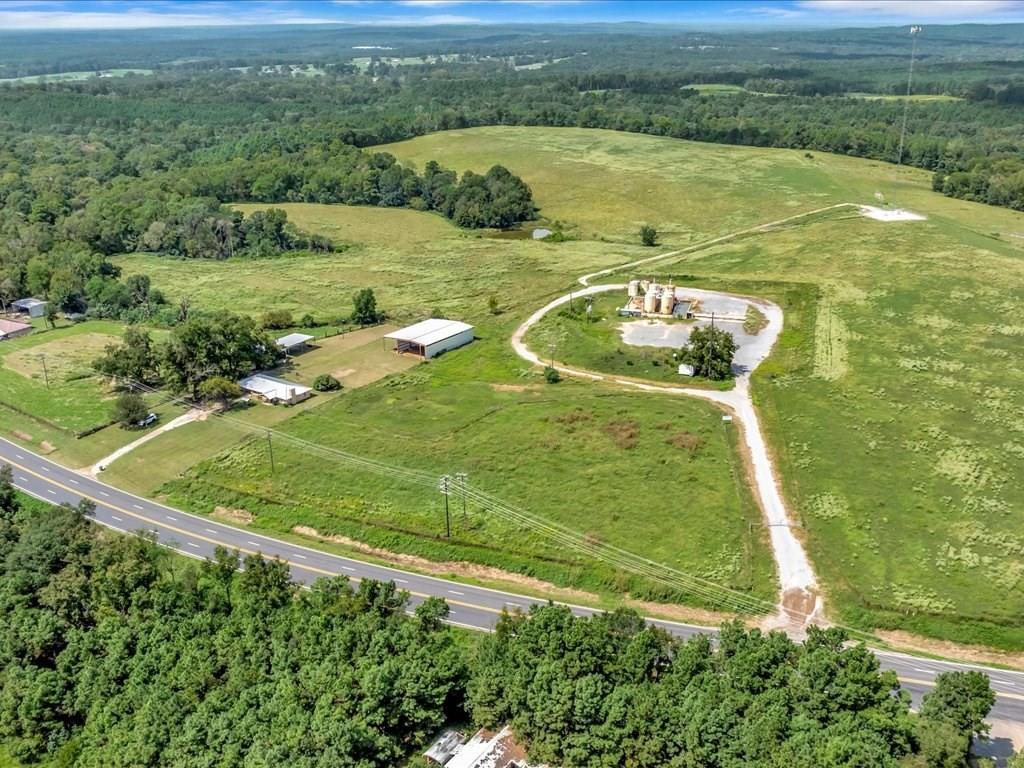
(608, 554)
(914, 32)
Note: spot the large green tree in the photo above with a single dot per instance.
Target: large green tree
(710, 351)
(204, 346)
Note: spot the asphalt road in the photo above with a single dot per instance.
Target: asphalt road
(471, 606)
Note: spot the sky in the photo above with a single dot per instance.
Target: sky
(126, 14)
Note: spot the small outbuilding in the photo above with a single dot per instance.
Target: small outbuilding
(31, 307)
(12, 329)
(273, 390)
(294, 343)
(431, 337)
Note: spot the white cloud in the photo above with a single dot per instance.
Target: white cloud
(136, 18)
(770, 10)
(412, 21)
(916, 8)
(428, 3)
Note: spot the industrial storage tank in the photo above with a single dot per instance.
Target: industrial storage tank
(668, 301)
(634, 288)
(650, 302)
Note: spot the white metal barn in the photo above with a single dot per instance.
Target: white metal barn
(431, 337)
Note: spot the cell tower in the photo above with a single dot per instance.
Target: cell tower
(914, 32)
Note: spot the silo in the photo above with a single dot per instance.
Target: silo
(650, 302)
(634, 288)
(668, 300)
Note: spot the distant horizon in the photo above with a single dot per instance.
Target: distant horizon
(96, 15)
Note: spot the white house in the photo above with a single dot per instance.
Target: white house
(431, 337)
(274, 390)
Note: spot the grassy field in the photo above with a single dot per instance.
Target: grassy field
(651, 475)
(417, 263)
(355, 359)
(895, 411)
(892, 404)
(894, 401)
(49, 396)
(597, 345)
(75, 76)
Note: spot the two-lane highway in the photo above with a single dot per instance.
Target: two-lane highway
(471, 606)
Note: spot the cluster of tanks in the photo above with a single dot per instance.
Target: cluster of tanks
(650, 299)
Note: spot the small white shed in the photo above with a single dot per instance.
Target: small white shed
(431, 337)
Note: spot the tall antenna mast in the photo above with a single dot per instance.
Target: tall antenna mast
(914, 32)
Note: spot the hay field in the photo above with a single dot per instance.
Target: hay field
(416, 262)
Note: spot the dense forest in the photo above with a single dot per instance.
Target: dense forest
(114, 652)
(102, 166)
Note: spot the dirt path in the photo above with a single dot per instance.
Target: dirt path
(186, 418)
(799, 602)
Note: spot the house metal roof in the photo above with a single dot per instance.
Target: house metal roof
(271, 387)
(430, 331)
(12, 326)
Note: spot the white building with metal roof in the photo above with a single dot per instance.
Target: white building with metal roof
(275, 390)
(431, 337)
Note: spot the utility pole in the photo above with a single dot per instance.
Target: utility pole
(270, 448)
(443, 487)
(462, 477)
(914, 32)
(46, 373)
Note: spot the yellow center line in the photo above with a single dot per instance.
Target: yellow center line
(314, 569)
(931, 684)
(216, 542)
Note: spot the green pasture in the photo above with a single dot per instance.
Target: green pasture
(892, 403)
(417, 264)
(49, 394)
(58, 77)
(653, 475)
(894, 409)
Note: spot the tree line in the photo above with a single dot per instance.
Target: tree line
(115, 653)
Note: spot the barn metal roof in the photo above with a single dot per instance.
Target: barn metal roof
(430, 331)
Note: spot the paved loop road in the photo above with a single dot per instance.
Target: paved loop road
(471, 606)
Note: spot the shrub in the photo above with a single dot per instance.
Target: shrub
(648, 235)
(326, 383)
(307, 321)
(130, 409)
(551, 375)
(276, 319)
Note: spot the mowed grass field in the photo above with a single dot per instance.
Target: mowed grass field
(50, 397)
(893, 403)
(651, 475)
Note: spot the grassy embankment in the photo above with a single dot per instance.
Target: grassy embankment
(893, 403)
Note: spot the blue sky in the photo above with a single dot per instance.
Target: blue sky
(112, 14)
